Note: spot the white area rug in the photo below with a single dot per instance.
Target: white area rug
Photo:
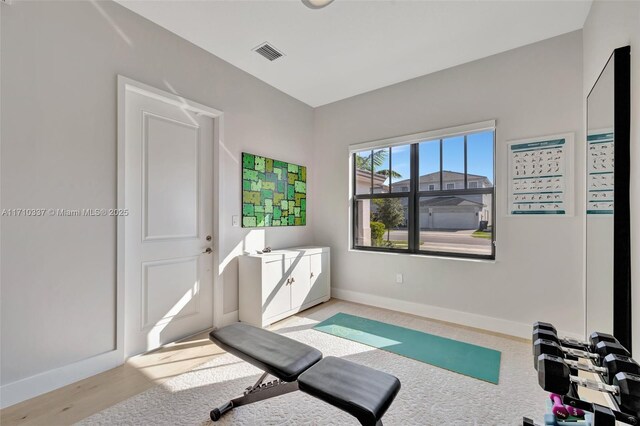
(429, 395)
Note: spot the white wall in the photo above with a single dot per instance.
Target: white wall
(532, 91)
(58, 82)
(613, 24)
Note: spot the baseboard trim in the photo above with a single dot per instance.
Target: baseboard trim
(496, 325)
(229, 318)
(30, 387)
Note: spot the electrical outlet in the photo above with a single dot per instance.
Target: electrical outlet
(399, 278)
(235, 220)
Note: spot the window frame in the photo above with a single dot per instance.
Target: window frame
(414, 195)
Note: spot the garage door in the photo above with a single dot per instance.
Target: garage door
(455, 220)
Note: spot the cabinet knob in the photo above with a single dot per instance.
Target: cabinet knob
(312, 275)
(293, 280)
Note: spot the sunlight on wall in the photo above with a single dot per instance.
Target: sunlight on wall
(111, 22)
(185, 105)
(254, 240)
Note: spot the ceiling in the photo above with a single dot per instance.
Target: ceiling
(351, 47)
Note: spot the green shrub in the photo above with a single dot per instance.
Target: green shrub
(377, 233)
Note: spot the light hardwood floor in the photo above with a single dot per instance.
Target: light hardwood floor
(78, 400)
(82, 399)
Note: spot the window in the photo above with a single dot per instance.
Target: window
(430, 195)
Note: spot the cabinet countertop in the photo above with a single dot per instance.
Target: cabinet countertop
(289, 252)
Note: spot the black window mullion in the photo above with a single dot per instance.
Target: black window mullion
(441, 172)
(372, 167)
(354, 206)
(413, 209)
(466, 179)
(390, 168)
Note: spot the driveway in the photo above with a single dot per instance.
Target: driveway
(451, 241)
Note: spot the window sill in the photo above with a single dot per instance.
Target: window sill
(422, 256)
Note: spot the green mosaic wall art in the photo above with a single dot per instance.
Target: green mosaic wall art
(274, 193)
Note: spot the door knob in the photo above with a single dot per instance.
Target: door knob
(207, 251)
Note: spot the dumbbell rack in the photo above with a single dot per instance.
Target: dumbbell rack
(598, 414)
(601, 414)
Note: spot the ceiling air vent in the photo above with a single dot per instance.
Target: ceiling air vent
(268, 51)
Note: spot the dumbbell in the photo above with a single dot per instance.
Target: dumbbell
(555, 376)
(614, 364)
(602, 349)
(545, 330)
(610, 365)
(561, 411)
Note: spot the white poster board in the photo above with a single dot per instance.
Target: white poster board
(600, 172)
(541, 176)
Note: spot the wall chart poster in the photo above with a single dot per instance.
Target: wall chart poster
(540, 176)
(274, 193)
(600, 164)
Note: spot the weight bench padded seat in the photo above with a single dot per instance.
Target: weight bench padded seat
(363, 392)
(278, 355)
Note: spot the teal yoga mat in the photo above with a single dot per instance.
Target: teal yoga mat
(464, 358)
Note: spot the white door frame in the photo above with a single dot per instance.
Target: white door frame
(126, 85)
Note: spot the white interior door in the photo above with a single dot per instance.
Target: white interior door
(168, 231)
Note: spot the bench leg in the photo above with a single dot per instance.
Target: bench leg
(258, 392)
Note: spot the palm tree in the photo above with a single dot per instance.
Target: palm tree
(379, 158)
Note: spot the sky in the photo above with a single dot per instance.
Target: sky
(479, 156)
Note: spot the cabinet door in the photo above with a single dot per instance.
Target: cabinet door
(299, 272)
(276, 295)
(319, 276)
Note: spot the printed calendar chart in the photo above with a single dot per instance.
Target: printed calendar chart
(538, 177)
(600, 163)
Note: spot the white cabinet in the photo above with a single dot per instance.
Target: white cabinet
(279, 284)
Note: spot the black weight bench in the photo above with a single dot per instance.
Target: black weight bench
(363, 392)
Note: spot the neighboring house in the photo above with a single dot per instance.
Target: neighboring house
(439, 212)
(363, 182)
(451, 212)
(450, 180)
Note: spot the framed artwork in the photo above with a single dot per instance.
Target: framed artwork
(274, 193)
